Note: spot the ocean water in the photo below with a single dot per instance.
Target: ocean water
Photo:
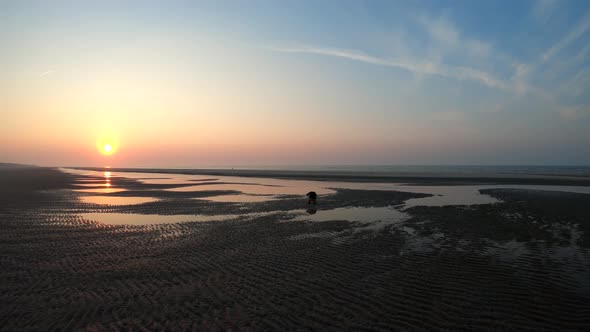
(474, 170)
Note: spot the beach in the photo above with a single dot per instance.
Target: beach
(242, 250)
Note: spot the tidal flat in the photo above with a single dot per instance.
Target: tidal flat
(108, 250)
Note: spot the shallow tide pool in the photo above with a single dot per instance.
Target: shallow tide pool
(114, 200)
(266, 189)
(357, 214)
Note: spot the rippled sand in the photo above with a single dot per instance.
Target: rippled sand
(522, 263)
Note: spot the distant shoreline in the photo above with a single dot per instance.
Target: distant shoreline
(416, 178)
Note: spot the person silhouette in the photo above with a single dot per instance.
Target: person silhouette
(312, 197)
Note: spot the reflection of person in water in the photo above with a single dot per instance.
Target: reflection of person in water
(312, 197)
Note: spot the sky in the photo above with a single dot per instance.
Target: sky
(224, 83)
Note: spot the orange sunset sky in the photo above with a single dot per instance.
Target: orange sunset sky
(177, 84)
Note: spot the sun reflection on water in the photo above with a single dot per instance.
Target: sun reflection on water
(107, 177)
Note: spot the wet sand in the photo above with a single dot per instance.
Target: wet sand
(400, 177)
(523, 263)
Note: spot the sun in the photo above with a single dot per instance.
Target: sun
(107, 149)
(107, 144)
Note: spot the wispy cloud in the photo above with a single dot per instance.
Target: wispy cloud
(577, 31)
(446, 52)
(49, 72)
(577, 85)
(446, 36)
(574, 113)
(426, 67)
(542, 9)
(558, 70)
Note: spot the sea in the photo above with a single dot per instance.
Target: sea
(473, 170)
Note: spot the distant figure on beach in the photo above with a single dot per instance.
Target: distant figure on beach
(312, 197)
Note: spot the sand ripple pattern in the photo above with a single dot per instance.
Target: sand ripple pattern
(62, 272)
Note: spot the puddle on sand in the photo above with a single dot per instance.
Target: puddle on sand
(176, 180)
(444, 195)
(114, 200)
(469, 194)
(254, 189)
(447, 195)
(239, 198)
(147, 178)
(358, 214)
(93, 184)
(101, 190)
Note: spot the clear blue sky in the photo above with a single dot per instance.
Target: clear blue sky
(189, 83)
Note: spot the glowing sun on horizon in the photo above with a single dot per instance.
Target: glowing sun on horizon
(107, 145)
(107, 149)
